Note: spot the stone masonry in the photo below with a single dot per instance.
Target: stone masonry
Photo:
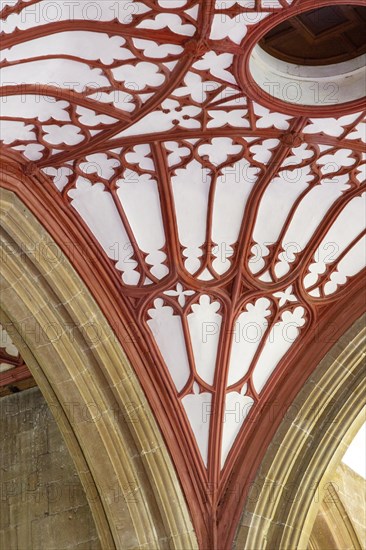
(43, 505)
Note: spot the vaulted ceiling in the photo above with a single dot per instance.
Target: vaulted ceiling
(225, 231)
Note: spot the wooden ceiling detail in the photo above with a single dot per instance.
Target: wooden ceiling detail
(195, 212)
(323, 36)
(14, 374)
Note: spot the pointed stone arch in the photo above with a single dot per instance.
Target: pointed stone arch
(82, 370)
(320, 423)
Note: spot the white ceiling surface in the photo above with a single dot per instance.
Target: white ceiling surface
(355, 456)
(139, 193)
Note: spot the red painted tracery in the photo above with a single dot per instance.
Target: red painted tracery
(215, 495)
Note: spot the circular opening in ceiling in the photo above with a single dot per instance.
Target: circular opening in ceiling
(324, 36)
(315, 58)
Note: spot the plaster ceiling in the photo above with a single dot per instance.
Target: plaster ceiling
(228, 226)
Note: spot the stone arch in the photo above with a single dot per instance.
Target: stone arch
(82, 370)
(319, 425)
